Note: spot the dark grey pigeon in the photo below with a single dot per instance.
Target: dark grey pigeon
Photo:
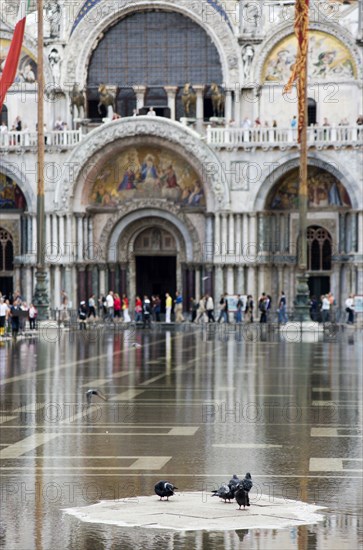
(241, 493)
(232, 484)
(224, 492)
(164, 489)
(91, 392)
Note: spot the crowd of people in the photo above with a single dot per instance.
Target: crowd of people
(17, 315)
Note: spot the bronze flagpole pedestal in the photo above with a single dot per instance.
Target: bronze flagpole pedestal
(41, 300)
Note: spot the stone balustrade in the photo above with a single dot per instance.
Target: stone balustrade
(318, 136)
(13, 140)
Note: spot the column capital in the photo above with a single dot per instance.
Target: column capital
(139, 89)
(171, 89)
(199, 88)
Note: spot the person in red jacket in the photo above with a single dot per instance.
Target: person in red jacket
(117, 306)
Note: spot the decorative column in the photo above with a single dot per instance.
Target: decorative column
(53, 249)
(61, 236)
(28, 284)
(224, 240)
(56, 294)
(34, 234)
(197, 282)
(140, 96)
(112, 278)
(218, 283)
(79, 238)
(251, 281)
(81, 286)
(85, 238)
(17, 285)
(360, 233)
(228, 106)
(253, 251)
(171, 93)
(90, 254)
(237, 107)
(231, 235)
(199, 90)
(240, 286)
(70, 247)
(230, 280)
(238, 236)
(217, 234)
(245, 233)
(102, 280)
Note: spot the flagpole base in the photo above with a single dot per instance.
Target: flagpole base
(41, 300)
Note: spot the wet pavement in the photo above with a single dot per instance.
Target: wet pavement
(189, 405)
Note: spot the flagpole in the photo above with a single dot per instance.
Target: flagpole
(41, 300)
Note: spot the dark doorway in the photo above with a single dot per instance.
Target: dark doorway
(6, 285)
(311, 111)
(156, 275)
(319, 285)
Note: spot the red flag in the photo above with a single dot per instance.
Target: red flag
(299, 68)
(12, 59)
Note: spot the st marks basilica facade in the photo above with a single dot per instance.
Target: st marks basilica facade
(171, 153)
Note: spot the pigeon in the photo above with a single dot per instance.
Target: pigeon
(232, 484)
(89, 394)
(224, 492)
(241, 493)
(135, 345)
(164, 489)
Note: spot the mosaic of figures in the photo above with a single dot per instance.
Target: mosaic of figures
(324, 190)
(147, 172)
(27, 69)
(328, 58)
(11, 195)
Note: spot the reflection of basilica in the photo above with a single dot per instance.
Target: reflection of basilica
(196, 197)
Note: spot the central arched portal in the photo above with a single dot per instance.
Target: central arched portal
(156, 254)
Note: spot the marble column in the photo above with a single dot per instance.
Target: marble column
(252, 246)
(224, 239)
(81, 284)
(28, 284)
(218, 283)
(231, 235)
(61, 236)
(17, 278)
(359, 284)
(261, 280)
(112, 278)
(52, 248)
(199, 90)
(245, 233)
(79, 238)
(230, 280)
(70, 241)
(217, 234)
(240, 286)
(85, 238)
(237, 107)
(140, 96)
(197, 283)
(209, 245)
(228, 106)
(102, 280)
(56, 294)
(360, 232)
(251, 281)
(34, 234)
(90, 250)
(238, 236)
(171, 93)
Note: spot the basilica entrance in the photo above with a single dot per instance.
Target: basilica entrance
(156, 275)
(156, 263)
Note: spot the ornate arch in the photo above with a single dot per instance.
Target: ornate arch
(285, 29)
(121, 227)
(92, 27)
(293, 161)
(130, 131)
(12, 170)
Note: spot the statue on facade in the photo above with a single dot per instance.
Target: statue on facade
(218, 99)
(189, 99)
(248, 54)
(53, 15)
(77, 100)
(54, 59)
(107, 100)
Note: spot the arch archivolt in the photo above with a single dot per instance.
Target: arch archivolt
(285, 29)
(292, 161)
(110, 138)
(89, 31)
(21, 180)
(120, 232)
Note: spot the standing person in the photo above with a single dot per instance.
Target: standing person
(325, 308)
(15, 317)
(110, 306)
(349, 308)
(64, 303)
(262, 306)
(332, 306)
(239, 312)
(4, 312)
(282, 309)
(193, 309)
(223, 314)
(32, 313)
(125, 309)
(82, 315)
(201, 310)
(179, 307)
(92, 306)
(210, 308)
(157, 308)
(249, 308)
(314, 306)
(138, 309)
(146, 312)
(117, 306)
(168, 305)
